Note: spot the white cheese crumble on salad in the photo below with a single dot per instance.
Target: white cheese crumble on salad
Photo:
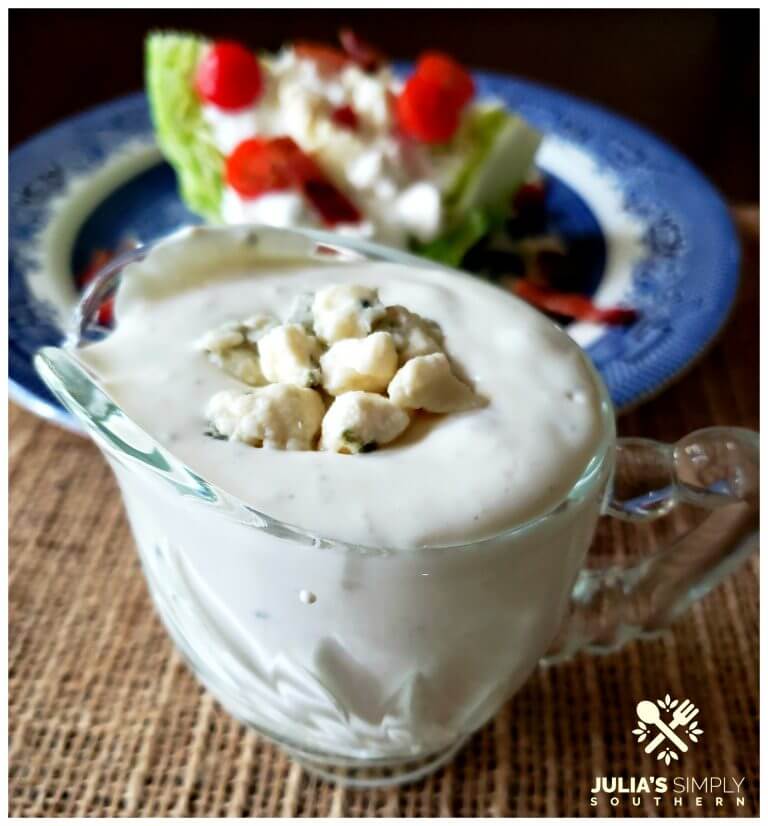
(328, 371)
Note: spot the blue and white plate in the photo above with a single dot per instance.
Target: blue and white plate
(658, 236)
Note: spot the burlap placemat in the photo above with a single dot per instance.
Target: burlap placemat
(105, 719)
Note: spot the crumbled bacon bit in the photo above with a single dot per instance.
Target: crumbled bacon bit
(328, 59)
(531, 195)
(346, 117)
(99, 259)
(571, 305)
(330, 202)
(367, 57)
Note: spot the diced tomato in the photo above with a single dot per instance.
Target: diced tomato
(367, 57)
(328, 59)
(257, 166)
(572, 305)
(229, 76)
(455, 81)
(425, 112)
(345, 116)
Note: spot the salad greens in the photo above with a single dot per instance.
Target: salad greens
(500, 152)
(451, 247)
(184, 137)
(501, 149)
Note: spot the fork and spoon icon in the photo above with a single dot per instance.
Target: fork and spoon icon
(649, 713)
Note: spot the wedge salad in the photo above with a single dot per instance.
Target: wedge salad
(329, 137)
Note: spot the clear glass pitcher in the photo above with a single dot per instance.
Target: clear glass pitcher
(372, 665)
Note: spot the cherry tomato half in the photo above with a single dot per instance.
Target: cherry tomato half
(229, 76)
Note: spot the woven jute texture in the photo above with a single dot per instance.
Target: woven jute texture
(105, 718)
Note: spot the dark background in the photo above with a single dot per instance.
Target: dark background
(690, 76)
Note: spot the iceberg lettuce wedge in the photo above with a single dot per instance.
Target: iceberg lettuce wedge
(183, 135)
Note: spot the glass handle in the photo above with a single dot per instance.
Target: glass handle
(716, 469)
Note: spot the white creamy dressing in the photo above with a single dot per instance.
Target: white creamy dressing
(395, 183)
(366, 655)
(448, 479)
